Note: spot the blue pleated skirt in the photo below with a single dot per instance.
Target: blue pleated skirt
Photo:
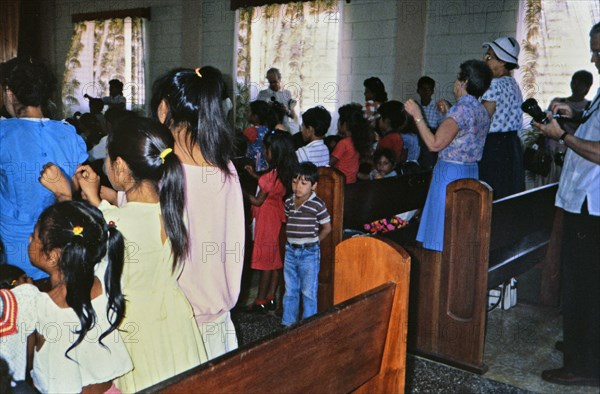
(431, 228)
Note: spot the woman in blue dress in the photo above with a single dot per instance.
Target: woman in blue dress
(459, 140)
(29, 140)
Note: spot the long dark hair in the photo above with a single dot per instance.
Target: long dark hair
(80, 252)
(31, 81)
(352, 116)
(194, 101)
(283, 156)
(140, 143)
(375, 85)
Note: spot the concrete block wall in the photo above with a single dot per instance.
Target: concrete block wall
(367, 47)
(455, 32)
(218, 24)
(190, 33)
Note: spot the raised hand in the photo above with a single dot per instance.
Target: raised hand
(53, 179)
(563, 109)
(413, 109)
(89, 183)
(443, 106)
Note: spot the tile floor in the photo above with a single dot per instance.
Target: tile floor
(519, 345)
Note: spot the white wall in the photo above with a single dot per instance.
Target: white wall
(367, 47)
(455, 32)
(191, 33)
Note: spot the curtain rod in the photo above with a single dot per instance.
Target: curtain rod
(235, 4)
(92, 16)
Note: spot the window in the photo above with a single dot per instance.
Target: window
(102, 50)
(555, 42)
(301, 40)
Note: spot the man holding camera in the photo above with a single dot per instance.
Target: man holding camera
(579, 196)
(275, 93)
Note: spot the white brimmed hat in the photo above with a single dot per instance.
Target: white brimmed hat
(505, 48)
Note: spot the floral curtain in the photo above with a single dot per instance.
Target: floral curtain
(301, 40)
(102, 50)
(554, 37)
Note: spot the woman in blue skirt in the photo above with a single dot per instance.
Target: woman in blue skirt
(459, 140)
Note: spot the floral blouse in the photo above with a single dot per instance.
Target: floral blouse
(473, 125)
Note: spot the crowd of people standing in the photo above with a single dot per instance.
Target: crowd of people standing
(151, 242)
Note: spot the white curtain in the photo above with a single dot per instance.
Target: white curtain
(100, 51)
(301, 40)
(554, 36)
(555, 43)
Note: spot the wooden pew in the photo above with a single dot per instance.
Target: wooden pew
(485, 244)
(448, 315)
(521, 231)
(350, 206)
(330, 189)
(365, 202)
(358, 345)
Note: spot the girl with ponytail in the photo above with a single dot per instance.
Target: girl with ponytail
(75, 343)
(159, 329)
(188, 102)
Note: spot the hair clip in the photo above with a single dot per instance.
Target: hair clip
(78, 231)
(13, 283)
(112, 224)
(164, 153)
(198, 72)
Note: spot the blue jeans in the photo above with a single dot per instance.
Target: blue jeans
(301, 275)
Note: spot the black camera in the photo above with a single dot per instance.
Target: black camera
(532, 108)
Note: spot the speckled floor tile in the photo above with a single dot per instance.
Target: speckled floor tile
(519, 346)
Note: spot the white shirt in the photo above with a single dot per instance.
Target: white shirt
(13, 348)
(282, 96)
(316, 152)
(580, 178)
(90, 362)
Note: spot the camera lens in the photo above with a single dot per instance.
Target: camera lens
(531, 107)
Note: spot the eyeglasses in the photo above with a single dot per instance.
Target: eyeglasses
(595, 53)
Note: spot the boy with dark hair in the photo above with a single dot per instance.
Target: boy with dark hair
(308, 223)
(315, 123)
(433, 117)
(425, 89)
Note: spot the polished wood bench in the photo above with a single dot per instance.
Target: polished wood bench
(358, 345)
(485, 244)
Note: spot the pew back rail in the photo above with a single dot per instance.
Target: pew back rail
(358, 345)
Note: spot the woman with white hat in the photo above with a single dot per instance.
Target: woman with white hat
(501, 165)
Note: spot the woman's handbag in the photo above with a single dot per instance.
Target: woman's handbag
(536, 159)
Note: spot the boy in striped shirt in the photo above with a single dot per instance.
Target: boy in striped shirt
(308, 223)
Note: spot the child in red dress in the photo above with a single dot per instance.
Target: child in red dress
(267, 210)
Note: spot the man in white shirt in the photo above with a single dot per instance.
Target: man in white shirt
(275, 93)
(579, 196)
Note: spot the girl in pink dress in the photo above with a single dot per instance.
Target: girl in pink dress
(189, 103)
(267, 210)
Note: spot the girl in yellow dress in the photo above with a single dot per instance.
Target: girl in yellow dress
(158, 329)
